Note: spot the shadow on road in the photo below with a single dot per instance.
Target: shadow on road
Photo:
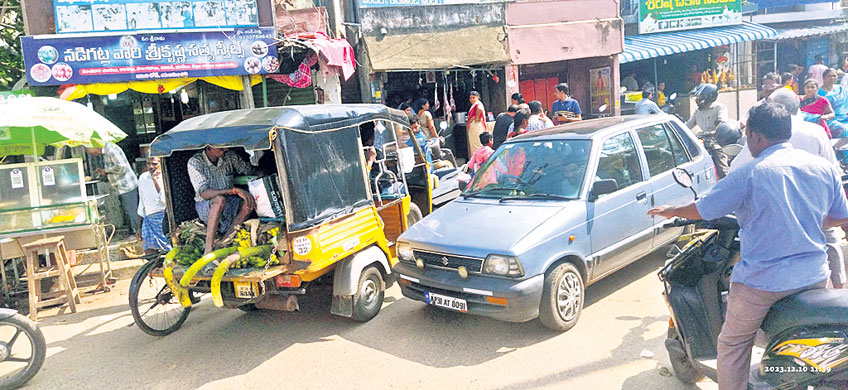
(215, 344)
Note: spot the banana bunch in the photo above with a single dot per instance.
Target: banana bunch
(254, 261)
(188, 254)
(242, 239)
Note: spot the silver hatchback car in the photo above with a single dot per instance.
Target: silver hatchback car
(549, 213)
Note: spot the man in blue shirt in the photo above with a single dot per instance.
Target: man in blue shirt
(782, 200)
(565, 109)
(646, 105)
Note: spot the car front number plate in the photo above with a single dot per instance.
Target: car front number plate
(446, 302)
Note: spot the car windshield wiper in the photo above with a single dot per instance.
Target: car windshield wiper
(471, 194)
(536, 196)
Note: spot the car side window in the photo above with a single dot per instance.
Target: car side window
(691, 145)
(658, 151)
(619, 161)
(677, 149)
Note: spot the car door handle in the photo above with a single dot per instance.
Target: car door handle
(641, 197)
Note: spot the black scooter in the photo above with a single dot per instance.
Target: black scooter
(807, 332)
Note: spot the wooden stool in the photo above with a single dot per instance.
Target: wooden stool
(54, 246)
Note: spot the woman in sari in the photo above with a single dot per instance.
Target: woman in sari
(425, 118)
(817, 108)
(476, 123)
(838, 97)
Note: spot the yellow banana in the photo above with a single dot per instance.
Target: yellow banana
(197, 266)
(168, 273)
(218, 275)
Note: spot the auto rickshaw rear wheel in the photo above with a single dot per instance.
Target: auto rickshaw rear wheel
(414, 214)
(369, 295)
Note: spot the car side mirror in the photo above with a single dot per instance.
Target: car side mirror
(603, 187)
(682, 177)
(463, 185)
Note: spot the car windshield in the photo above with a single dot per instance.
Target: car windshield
(533, 169)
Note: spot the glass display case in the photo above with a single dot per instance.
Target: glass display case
(44, 195)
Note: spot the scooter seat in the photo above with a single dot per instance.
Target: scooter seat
(442, 173)
(808, 308)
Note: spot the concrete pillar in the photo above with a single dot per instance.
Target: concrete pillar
(246, 95)
(327, 90)
(511, 82)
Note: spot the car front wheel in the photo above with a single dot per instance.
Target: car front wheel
(562, 298)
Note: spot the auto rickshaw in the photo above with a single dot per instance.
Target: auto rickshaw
(341, 211)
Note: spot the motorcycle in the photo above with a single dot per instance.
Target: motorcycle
(807, 332)
(450, 176)
(17, 370)
(670, 106)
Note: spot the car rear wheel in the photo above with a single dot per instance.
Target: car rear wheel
(562, 298)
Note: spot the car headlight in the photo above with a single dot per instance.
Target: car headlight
(503, 265)
(404, 251)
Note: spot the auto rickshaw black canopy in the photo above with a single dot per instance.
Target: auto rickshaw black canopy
(249, 128)
(324, 173)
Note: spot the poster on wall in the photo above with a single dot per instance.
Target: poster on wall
(138, 57)
(600, 88)
(76, 16)
(675, 15)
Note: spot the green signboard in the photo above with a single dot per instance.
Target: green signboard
(674, 15)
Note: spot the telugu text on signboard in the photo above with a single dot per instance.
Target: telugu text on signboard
(674, 15)
(74, 16)
(138, 57)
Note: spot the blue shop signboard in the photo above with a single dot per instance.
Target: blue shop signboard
(53, 60)
(74, 16)
(787, 3)
(418, 3)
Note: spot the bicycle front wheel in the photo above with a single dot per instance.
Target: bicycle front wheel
(154, 308)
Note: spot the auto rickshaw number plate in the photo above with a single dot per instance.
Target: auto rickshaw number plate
(446, 302)
(246, 289)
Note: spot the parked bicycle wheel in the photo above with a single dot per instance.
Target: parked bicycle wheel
(154, 308)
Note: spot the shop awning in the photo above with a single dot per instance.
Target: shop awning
(643, 47)
(437, 50)
(792, 33)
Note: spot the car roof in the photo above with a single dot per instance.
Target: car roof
(593, 128)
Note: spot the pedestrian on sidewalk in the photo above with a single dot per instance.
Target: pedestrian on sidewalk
(483, 153)
(476, 122)
(816, 71)
(565, 109)
(425, 118)
(151, 208)
(502, 125)
(122, 179)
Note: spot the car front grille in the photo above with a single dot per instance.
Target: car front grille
(449, 261)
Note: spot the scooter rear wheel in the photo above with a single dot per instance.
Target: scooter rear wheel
(681, 364)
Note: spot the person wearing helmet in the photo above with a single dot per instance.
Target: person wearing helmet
(727, 133)
(707, 117)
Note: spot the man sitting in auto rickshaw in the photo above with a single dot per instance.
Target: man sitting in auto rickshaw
(218, 202)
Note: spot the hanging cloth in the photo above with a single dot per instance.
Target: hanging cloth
(301, 78)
